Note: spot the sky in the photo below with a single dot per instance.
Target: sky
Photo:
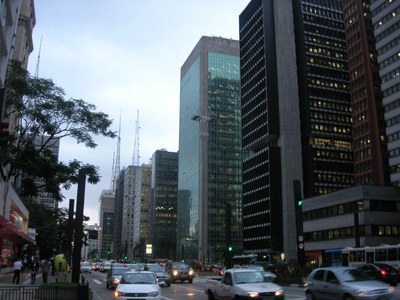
(125, 57)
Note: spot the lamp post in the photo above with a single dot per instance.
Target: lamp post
(203, 184)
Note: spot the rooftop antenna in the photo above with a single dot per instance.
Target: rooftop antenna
(112, 173)
(135, 158)
(38, 59)
(118, 156)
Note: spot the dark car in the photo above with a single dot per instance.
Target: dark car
(114, 276)
(160, 272)
(382, 272)
(180, 272)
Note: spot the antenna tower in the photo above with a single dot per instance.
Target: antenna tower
(38, 59)
(118, 156)
(112, 173)
(135, 158)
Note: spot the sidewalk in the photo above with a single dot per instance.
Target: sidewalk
(25, 278)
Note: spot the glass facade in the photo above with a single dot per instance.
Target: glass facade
(210, 107)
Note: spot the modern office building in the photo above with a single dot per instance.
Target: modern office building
(370, 152)
(141, 209)
(128, 211)
(386, 24)
(364, 215)
(118, 245)
(106, 214)
(164, 199)
(209, 173)
(296, 116)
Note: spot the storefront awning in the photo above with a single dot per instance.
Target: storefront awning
(9, 232)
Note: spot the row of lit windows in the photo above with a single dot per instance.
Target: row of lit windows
(392, 29)
(380, 7)
(332, 154)
(332, 143)
(324, 11)
(328, 180)
(329, 83)
(394, 152)
(318, 190)
(331, 117)
(325, 62)
(326, 52)
(362, 142)
(392, 90)
(325, 42)
(332, 129)
(391, 75)
(387, 18)
(330, 105)
(393, 43)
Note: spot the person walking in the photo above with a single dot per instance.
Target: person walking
(45, 266)
(34, 269)
(17, 270)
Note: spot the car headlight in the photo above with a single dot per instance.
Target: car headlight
(175, 272)
(118, 294)
(279, 293)
(115, 280)
(153, 294)
(191, 272)
(253, 294)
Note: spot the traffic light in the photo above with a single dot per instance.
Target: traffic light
(300, 202)
(126, 257)
(230, 248)
(183, 260)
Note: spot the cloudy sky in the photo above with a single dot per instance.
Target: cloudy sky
(124, 56)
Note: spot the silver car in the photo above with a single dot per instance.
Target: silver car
(345, 283)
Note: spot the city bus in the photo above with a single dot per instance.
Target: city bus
(388, 254)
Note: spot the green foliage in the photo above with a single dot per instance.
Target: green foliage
(44, 117)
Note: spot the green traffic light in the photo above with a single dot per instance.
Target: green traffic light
(230, 248)
(300, 202)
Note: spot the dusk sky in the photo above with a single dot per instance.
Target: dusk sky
(124, 56)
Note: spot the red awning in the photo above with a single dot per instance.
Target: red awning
(9, 232)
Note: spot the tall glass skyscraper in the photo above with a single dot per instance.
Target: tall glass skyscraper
(209, 172)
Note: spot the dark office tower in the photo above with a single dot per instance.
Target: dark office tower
(386, 24)
(324, 97)
(295, 110)
(270, 129)
(210, 174)
(164, 199)
(369, 137)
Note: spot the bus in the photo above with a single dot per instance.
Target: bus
(243, 260)
(388, 254)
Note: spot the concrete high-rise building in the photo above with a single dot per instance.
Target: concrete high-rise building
(141, 209)
(106, 218)
(128, 211)
(296, 116)
(210, 174)
(164, 199)
(386, 24)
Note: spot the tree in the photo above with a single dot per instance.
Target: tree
(45, 115)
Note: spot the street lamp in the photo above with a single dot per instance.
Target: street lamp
(203, 183)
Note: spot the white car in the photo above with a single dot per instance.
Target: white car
(141, 285)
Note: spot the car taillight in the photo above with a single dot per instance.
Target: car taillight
(383, 273)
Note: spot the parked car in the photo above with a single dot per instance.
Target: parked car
(160, 272)
(114, 276)
(141, 285)
(86, 267)
(382, 272)
(345, 283)
(180, 272)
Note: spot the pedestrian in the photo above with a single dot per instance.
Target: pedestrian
(34, 270)
(45, 266)
(17, 270)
